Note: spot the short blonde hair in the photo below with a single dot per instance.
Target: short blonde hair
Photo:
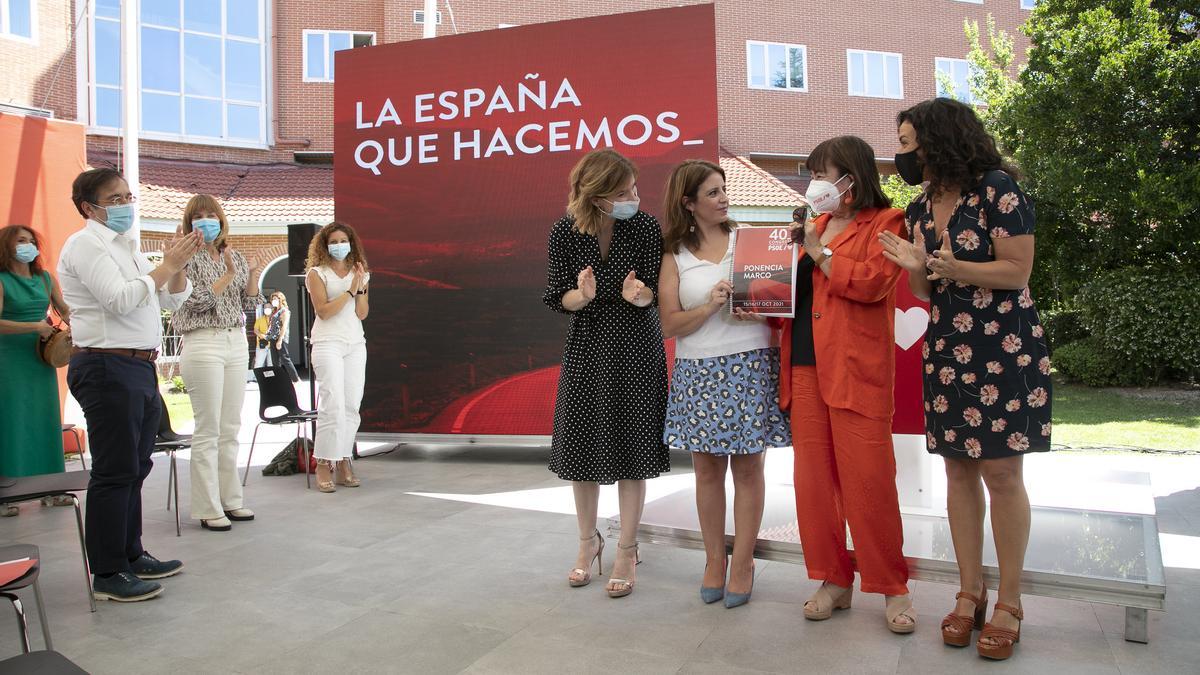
(200, 204)
(599, 173)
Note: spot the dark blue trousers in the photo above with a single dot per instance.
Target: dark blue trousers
(120, 400)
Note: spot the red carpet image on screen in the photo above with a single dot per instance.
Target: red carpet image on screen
(451, 160)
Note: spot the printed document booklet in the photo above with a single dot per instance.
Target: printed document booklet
(763, 274)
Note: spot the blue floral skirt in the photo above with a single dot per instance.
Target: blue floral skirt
(728, 405)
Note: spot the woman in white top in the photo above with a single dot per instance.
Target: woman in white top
(337, 282)
(724, 400)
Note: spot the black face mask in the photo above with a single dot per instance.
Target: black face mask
(910, 167)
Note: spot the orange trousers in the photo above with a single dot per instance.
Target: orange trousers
(845, 472)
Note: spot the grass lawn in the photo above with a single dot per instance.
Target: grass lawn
(181, 409)
(1159, 419)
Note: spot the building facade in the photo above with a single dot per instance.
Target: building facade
(236, 96)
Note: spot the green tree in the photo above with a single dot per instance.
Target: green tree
(1103, 119)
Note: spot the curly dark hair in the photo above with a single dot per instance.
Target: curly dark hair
(958, 149)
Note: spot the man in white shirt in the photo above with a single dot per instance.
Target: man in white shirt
(117, 329)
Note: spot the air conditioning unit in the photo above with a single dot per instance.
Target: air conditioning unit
(14, 109)
(419, 17)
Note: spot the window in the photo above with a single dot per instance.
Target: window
(876, 74)
(17, 18)
(319, 46)
(954, 79)
(976, 2)
(1028, 4)
(419, 16)
(202, 70)
(771, 65)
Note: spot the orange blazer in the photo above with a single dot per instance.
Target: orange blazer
(853, 319)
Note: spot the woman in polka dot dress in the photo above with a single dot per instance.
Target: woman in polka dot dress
(987, 366)
(604, 258)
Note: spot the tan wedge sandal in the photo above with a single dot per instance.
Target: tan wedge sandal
(962, 626)
(1003, 637)
(324, 476)
(821, 605)
(344, 474)
(900, 606)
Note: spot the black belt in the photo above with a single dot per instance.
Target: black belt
(150, 355)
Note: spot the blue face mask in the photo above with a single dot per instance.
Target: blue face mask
(339, 251)
(209, 228)
(624, 210)
(118, 217)
(26, 253)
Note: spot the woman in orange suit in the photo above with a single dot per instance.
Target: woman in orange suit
(840, 356)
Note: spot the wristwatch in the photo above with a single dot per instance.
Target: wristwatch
(826, 253)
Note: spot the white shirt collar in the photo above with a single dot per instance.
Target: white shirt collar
(107, 234)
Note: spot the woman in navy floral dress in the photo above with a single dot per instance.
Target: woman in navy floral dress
(986, 363)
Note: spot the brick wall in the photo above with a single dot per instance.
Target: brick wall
(29, 67)
(266, 247)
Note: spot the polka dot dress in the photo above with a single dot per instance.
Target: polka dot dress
(612, 393)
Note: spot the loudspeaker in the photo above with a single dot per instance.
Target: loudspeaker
(300, 235)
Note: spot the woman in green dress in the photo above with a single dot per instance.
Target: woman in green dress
(30, 420)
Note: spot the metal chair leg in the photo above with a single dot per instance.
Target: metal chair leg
(174, 487)
(41, 607)
(79, 446)
(302, 436)
(16, 603)
(251, 455)
(87, 570)
(170, 481)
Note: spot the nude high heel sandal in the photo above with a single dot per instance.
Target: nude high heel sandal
(582, 577)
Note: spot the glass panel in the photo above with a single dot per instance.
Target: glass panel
(857, 85)
(874, 74)
(243, 121)
(161, 12)
(337, 42)
(893, 76)
(243, 76)
(202, 15)
(160, 59)
(108, 8)
(108, 52)
(202, 65)
(777, 65)
(242, 18)
(20, 19)
(108, 107)
(202, 117)
(796, 68)
(755, 65)
(363, 39)
(314, 62)
(160, 112)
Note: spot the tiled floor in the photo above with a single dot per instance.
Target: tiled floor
(377, 580)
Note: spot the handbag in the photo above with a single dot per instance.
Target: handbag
(55, 349)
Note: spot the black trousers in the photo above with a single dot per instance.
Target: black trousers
(120, 400)
(281, 357)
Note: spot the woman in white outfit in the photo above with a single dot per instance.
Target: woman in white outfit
(337, 283)
(213, 363)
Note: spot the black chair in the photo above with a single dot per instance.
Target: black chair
(29, 488)
(18, 552)
(40, 663)
(170, 442)
(275, 390)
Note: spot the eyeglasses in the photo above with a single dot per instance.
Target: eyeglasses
(115, 201)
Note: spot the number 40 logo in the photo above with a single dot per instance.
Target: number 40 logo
(780, 234)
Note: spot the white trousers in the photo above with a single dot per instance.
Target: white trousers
(213, 365)
(262, 357)
(341, 373)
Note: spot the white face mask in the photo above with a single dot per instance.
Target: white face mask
(624, 210)
(824, 196)
(274, 303)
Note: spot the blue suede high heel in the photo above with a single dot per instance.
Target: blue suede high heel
(738, 599)
(710, 594)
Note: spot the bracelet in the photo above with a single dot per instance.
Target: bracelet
(350, 293)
